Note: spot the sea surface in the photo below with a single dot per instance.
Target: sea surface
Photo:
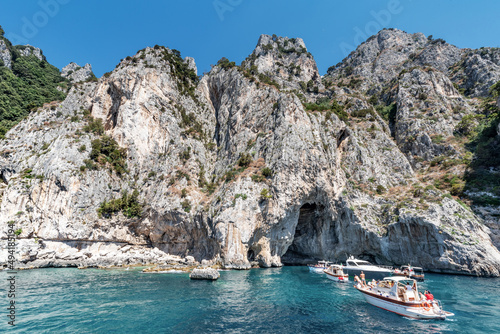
(277, 300)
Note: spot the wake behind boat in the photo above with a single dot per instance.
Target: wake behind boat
(355, 266)
(400, 295)
(336, 274)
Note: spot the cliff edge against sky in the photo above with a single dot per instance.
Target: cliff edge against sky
(392, 156)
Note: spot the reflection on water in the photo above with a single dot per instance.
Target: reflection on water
(277, 300)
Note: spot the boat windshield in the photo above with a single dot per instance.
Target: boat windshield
(405, 282)
(363, 263)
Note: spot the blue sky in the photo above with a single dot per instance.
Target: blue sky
(103, 32)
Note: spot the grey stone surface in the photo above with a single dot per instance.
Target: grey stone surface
(5, 55)
(285, 60)
(383, 56)
(336, 187)
(204, 274)
(477, 71)
(28, 50)
(75, 73)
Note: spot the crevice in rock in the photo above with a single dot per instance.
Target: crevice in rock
(215, 99)
(341, 136)
(5, 174)
(116, 99)
(59, 184)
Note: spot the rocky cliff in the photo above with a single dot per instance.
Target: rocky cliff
(260, 164)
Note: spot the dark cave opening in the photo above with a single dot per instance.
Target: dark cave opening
(250, 255)
(305, 243)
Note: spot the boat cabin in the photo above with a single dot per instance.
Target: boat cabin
(412, 270)
(399, 288)
(357, 263)
(336, 269)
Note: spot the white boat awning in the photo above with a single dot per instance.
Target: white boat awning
(398, 278)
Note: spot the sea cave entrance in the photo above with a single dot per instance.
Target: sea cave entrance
(307, 242)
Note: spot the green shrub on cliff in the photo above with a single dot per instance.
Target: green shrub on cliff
(94, 126)
(267, 172)
(225, 63)
(128, 204)
(264, 194)
(187, 78)
(244, 160)
(105, 150)
(495, 89)
(387, 112)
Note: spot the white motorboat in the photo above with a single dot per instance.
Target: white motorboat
(335, 273)
(355, 267)
(400, 295)
(319, 267)
(416, 273)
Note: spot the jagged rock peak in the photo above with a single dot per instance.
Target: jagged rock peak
(191, 64)
(285, 60)
(76, 73)
(384, 55)
(296, 44)
(6, 50)
(159, 57)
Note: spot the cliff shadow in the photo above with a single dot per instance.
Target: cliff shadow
(314, 230)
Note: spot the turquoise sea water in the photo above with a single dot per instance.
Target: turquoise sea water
(278, 300)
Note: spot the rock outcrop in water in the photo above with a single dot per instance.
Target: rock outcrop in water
(204, 274)
(264, 164)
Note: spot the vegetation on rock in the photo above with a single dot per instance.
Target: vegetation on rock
(129, 205)
(28, 85)
(106, 151)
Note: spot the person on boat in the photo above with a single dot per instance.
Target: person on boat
(357, 280)
(428, 295)
(421, 296)
(362, 276)
(408, 287)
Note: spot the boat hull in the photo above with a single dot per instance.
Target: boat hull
(340, 279)
(415, 311)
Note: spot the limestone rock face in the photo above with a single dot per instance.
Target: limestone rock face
(28, 50)
(75, 73)
(285, 60)
(5, 55)
(231, 169)
(191, 64)
(477, 71)
(24, 50)
(383, 56)
(428, 111)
